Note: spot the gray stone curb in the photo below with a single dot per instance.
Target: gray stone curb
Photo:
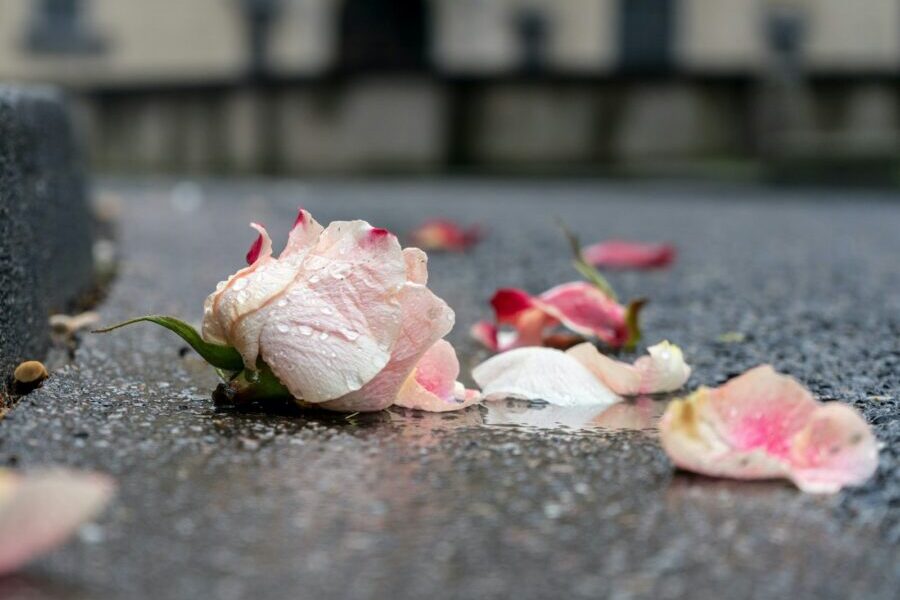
(45, 222)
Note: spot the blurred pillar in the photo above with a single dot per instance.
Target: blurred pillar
(783, 115)
(532, 29)
(646, 34)
(259, 15)
(384, 35)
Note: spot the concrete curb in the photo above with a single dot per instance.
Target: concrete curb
(45, 222)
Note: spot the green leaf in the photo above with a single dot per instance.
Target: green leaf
(632, 325)
(582, 266)
(222, 357)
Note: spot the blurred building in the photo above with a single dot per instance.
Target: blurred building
(334, 85)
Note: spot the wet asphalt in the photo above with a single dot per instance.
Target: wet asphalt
(506, 501)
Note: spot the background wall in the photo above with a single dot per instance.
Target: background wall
(297, 86)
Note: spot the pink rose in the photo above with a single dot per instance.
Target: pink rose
(343, 318)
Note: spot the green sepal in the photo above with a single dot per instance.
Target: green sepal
(251, 386)
(219, 356)
(632, 324)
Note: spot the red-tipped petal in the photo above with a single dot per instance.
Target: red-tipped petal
(509, 303)
(622, 254)
(261, 245)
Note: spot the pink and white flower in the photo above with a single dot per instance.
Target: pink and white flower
(40, 511)
(622, 254)
(342, 316)
(578, 306)
(764, 425)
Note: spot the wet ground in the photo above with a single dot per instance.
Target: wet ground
(494, 502)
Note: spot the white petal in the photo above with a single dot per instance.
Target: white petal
(540, 374)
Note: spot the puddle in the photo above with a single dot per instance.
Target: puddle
(635, 414)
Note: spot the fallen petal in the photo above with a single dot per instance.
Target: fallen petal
(444, 234)
(835, 449)
(621, 254)
(762, 425)
(586, 310)
(432, 385)
(40, 511)
(540, 374)
(664, 370)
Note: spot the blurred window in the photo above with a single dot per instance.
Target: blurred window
(384, 35)
(61, 27)
(646, 33)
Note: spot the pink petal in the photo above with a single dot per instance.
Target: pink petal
(432, 386)
(485, 332)
(762, 425)
(331, 330)
(620, 254)
(540, 374)
(664, 370)
(416, 265)
(40, 511)
(835, 449)
(443, 234)
(425, 319)
(586, 310)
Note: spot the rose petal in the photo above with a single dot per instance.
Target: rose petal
(432, 385)
(664, 370)
(251, 288)
(540, 374)
(620, 254)
(586, 310)
(443, 234)
(835, 449)
(485, 332)
(40, 511)
(425, 319)
(762, 425)
(416, 265)
(331, 330)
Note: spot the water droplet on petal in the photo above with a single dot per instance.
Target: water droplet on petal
(304, 330)
(282, 328)
(326, 310)
(323, 335)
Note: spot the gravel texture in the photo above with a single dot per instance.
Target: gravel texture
(45, 226)
(473, 505)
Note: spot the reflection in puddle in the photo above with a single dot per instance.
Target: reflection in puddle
(637, 414)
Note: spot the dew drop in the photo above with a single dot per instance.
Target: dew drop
(282, 303)
(326, 310)
(304, 330)
(282, 328)
(349, 334)
(323, 335)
